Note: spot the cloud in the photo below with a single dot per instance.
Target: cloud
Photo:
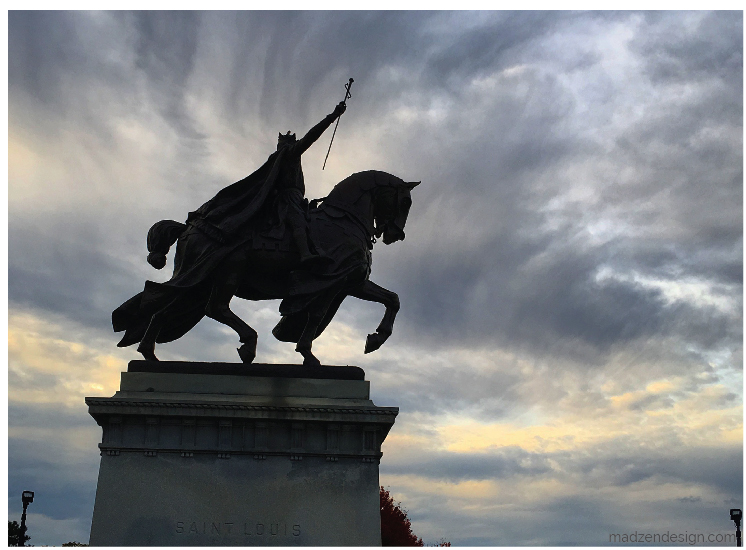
(505, 167)
(454, 467)
(64, 482)
(610, 489)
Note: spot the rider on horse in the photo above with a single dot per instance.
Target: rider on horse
(208, 274)
(277, 190)
(265, 200)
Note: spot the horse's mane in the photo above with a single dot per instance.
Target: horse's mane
(350, 189)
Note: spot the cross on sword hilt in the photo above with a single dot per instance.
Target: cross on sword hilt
(347, 96)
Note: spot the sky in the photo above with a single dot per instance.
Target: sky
(568, 356)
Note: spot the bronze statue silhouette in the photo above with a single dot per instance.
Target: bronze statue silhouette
(236, 244)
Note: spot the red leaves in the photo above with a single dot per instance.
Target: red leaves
(396, 529)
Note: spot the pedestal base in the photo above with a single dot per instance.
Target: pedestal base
(238, 459)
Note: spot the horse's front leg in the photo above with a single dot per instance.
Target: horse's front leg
(371, 292)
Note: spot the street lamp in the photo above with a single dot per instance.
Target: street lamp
(27, 497)
(735, 515)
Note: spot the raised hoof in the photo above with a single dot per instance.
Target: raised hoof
(373, 342)
(247, 353)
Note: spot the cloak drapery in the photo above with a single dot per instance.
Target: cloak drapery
(213, 231)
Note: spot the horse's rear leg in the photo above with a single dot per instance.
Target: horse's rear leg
(316, 316)
(218, 309)
(147, 343)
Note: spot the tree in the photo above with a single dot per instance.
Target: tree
(74, 543)
(14, 534)
(396, 528)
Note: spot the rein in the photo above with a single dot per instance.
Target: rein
(352, 213)
(353, 216)
(354, 194)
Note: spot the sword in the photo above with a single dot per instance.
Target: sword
(347, 95)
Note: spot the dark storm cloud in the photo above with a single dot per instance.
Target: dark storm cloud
(35, 380)
(61, 492)
(504, 150)
(62, 474)
(559, 300)
(279, 63)
(688, 187)
(615, 463)
(47, 48)
(714, 48)
(165, 48)
(554, 148)
(587, 516)
(543, 523)
(718, 259)
(455, 467)
(23, 415)
(44, 47)
(424, 46)
(420, 389)
(493, 44)
(65, 268)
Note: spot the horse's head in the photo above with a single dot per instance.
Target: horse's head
(391, 207)
(377, 200)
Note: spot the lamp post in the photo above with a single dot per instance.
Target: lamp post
(735, 515)
(27, 497)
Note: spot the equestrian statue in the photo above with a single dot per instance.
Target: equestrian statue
(260, 239)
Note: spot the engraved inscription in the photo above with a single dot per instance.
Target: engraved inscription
(250, 528)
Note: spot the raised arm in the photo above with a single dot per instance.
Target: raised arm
(302, 145)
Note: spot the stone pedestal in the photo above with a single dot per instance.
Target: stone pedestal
(199, 454)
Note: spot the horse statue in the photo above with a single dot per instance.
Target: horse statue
(209, 270)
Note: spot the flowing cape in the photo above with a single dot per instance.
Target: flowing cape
(213, 231)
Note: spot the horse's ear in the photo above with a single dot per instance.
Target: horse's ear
(412, 184)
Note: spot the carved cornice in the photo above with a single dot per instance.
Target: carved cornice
(127, 403)
(117, 450)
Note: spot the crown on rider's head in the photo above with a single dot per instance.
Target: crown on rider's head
(286, 138)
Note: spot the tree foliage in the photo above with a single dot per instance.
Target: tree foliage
(396, 528)
(14, 534)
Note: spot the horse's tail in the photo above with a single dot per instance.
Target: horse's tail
(160, 238)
